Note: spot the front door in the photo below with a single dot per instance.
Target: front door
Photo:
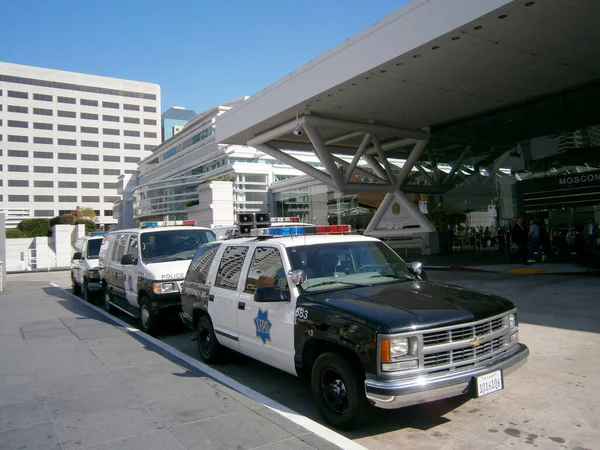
(266, 330)
(131, 272)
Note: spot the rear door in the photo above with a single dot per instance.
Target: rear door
(118, 278)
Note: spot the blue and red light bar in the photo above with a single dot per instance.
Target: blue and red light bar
(299, 231)
(167, 223)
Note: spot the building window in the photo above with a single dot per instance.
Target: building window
(88, 171)
(115, 172)
(71, 156)
(67, 198)
(111, 185)
(71, 128)
(149, 147)
(90, 199)
(69, 170)
(18, 124)
(128, 171)
(88, 116)
(43, 155)
(149, 134)
(150, 109)
(17, 94)
(43, 169)
(43, 213)
(112, 199)
(18, 183)
(108, 118)
(43, 112)
(18, 198)
(90, 130)
(42, 97)
(131, 120)
(43, 126)
(111, 158)
(18, 153)
(90, 143)
(43, 140)
(132, 146)
(89, 185)
(131, 133)
(71, 142)
(43, 198)
(110, 105)
(67, 184)
(85, 157)
(71, 114)
(69, 100)
(18, 109)
(86, 102)
(149, 122)
(12, 138)
(131, 107)
(132, 159)
(17, 168)
(108, 212)
(111, 145)
(43, 183)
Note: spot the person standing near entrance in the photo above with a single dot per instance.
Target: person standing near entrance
(518, 235)
(534, 239)
(590, 234)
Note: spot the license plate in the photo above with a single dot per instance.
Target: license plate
(491, 382)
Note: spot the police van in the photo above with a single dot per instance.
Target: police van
(85, 276)
(142, 269)
(349, 314)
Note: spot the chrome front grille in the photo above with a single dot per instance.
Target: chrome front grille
(465, 344)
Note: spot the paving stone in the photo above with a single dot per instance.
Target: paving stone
(156, 389)
(23, 415)
(53, 344)
(156, 440)
(20, 393)
(148, 371)
(131, 357)
(288, 444)
(36, 437)
(54, 387)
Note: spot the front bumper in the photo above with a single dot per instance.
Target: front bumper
(392, 394)
(168, 303)
(94, 285)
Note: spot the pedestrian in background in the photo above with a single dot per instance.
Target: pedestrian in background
(518, 236)
(590, 236)
(534, 239)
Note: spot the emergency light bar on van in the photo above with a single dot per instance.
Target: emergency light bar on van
(97, 233)
(299, 231)
(168, 223)
(284, 219)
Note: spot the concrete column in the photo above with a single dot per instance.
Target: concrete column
(63, 244)
(42, 253)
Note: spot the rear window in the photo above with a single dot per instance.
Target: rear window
(173, 245)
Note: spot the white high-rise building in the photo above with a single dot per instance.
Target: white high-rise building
(66, 137)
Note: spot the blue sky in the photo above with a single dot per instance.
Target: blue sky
(201, 53)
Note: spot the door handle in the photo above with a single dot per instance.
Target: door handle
(241, 305)
(211, 298)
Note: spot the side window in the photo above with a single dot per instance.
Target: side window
(266, 269)
(133, 246)
(200, 265)
(232, 261)
(121, 245)
(114, 245)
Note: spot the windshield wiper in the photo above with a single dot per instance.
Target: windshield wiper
(396, 277)
(324, 283)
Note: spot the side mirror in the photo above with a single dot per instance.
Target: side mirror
(297, 276)
(271, 294)
(77, 255)
(128, 260)
(417, 268)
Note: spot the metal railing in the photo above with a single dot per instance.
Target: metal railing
(414, 242)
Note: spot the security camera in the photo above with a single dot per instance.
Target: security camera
(298, 131)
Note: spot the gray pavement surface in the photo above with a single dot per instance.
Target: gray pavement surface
(550, 403)
(70, 379)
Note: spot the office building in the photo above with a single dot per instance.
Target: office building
(65, 138)
(174, 119)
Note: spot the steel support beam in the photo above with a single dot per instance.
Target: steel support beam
(363, 127)
(374, 164)
(276, 132)
(342, 138)
(457, 165)
(324, 155)
(384, 160)
(425, 174)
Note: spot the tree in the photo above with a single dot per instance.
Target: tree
(14, 233)
(63, 219)
(34, 227)
(84, 214)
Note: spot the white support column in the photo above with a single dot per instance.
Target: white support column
(276, 132)
(374, 164)
(324, 156)
(457, 165)
(359, 153)
(383, 158)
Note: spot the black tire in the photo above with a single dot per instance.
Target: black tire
(76, 287)
(208, 346)
(108, 297)
(147, 319)
(338, 390)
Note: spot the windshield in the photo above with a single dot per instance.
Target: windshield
(173, 245)
(347, 264)
(93, 249)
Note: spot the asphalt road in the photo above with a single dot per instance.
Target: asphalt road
(550, 403)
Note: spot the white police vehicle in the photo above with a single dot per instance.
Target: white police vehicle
(85, 275)
(142, 269)
(347, 312)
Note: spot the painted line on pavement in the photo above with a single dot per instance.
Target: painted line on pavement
(303, 421)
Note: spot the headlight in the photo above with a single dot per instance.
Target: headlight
(512, 320)
(163, 288)
(93, 274)
(398, 347)
(398, 353)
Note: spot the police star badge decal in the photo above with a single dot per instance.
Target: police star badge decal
(263, 325)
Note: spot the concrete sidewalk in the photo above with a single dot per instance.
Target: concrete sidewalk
(70, 379)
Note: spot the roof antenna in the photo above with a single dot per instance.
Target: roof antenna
(297, 131)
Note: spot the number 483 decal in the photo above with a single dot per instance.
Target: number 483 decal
(302, 313)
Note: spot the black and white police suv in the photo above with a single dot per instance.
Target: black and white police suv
(85, 275)
(142, 269)
(347, 312)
